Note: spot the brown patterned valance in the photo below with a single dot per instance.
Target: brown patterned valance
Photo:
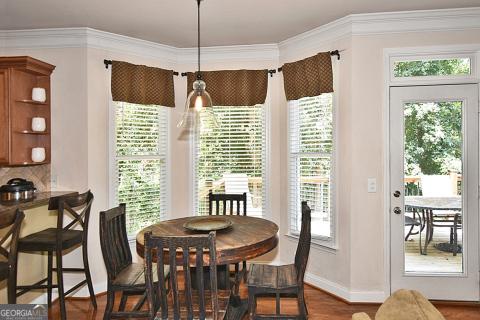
(308, 77)
(234, 87)
(142, 85)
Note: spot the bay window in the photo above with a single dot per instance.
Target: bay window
(231, 157)
(140, 162)
(311, 148)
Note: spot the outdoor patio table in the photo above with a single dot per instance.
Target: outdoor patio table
(427, 205)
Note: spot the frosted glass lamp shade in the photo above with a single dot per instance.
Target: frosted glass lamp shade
(198, 111)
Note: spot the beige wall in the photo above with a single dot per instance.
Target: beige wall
(325, 265)
(367, 210)
(69, 165)
(80, 104)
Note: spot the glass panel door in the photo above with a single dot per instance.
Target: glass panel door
(434, 190)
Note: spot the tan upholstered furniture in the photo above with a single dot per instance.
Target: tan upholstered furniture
(404, 305)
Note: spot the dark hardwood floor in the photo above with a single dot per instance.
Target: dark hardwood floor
(320, 305)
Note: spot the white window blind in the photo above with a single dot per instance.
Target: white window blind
(231, 158)
(310, 153)
(140, 160)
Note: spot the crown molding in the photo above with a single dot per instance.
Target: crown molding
(102, 40)
(44, 38)
(257, 52)
(320, 38)
(416, 21)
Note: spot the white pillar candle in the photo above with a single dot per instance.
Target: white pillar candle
(38, 154)
(38, 124)
(39, 94)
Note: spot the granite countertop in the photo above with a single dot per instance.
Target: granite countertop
(41, 199)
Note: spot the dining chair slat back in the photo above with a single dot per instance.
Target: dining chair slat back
(227, 203)
(281, 280)
(182, 301)
(123, 275)
(304, 241)
(114, 241)
(230, 200)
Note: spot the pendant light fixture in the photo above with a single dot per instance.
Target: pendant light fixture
(198, 111)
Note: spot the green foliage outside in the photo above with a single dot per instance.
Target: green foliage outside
(433, 138)
(141, 153)
(433, 130)
(422, 68)
(235, 146)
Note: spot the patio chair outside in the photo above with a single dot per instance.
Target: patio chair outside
(443, 186)
(237, 183)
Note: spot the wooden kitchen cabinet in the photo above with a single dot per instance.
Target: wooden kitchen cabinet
(18, 76)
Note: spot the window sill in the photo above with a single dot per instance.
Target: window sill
(316, 243)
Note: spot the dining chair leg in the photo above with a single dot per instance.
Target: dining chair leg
(302, 306)
(277, 303)
(61, 291)
(123, 302)
(49, 278)
(88, 276)
(251, 304)
(110, 303)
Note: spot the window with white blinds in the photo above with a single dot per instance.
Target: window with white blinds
(231, 157)
(140, 162)
(310, 163)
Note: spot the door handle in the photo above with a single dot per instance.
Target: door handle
(397, 210)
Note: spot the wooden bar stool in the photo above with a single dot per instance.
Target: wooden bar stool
(8, 268)
(56, 240)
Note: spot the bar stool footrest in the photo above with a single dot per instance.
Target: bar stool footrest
(70, 269)
(36, 285)
(75, 287)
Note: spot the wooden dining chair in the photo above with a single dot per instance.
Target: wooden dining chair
(57, 240)
(10, 223)
(230, 204)
(124, 276)
(283, 280)
(183, 302)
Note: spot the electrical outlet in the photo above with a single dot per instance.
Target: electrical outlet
(372, 185)
(53, 181)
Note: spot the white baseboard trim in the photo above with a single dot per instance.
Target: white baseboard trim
(343, 292)
(314, 280)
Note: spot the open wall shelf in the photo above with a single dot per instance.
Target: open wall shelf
(18, 76)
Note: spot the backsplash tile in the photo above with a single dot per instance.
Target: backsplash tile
(39, 175)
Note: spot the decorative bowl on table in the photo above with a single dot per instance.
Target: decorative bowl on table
(208, 223)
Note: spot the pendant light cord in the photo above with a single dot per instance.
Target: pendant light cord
(198, 37)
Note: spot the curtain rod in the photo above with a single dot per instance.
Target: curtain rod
(270, 71)
(332, 53)
(109, 62)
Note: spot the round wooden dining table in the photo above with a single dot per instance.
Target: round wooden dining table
(245, 239)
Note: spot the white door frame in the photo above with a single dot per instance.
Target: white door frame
(389, 55)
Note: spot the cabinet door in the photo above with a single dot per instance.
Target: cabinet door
(4, 116)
